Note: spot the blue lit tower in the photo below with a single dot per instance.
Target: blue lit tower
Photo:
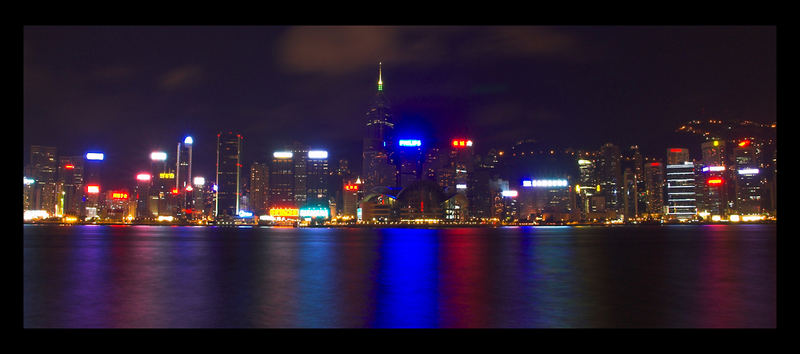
(377, 168)
(229, 148)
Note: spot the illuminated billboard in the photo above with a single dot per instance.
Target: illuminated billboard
(199, 181)
(410, 142)
(92, 189)
(527, 183)
(314, 213)
(351, 187)
(166, 175)
(285, 212)
(461, 186)
(460, 143)
(143, 177)
(584, 162)
(546, 183)
(282, 154)
(713, 168)
(510, 194)
(28, 181)
(158, 156)
(69, 167)
(749, 171)
(245, 214)
(96, 156)
(119, 195)
(714, 181)
(317, 154)
(744, 143)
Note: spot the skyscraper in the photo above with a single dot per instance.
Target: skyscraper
(43, 170)
(317, 172)
(654, 189)
(259, 187)
(377, 168)
(300, 160)
(609, 176)
(281, 180)
(183, 174)
(229, 148)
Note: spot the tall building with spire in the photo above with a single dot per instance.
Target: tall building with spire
(377, 167)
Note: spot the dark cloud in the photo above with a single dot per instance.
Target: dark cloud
(341, 50)
(181, 77)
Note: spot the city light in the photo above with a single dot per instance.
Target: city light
(716, 218)
(93, 189)
(546, 183)
(245, 214)
(96, 156)
(460, 143)
(716, 142)
(166, 175)
(584, 162)
(119, 195)
(461, 186)
(69, 167)
(284, 212)
(509, 194)
(744, 143)
(734, 218)
(410, 142)
(165, 218)
(143, 177)
(749, 171)
(188, 140)
(189, 188)
(29, 215)
(713, 168)
(714, 181)
(216, 188)
(28, 181)
(675, 150)
(351, 187)
(174, 190)
(158, 156)
(199, 181)
(317, 154)
(282, 154)
(314, 213)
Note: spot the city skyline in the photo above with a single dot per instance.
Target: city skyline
(443, 94)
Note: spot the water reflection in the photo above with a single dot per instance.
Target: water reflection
(150, 276)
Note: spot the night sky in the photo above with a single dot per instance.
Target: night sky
(128, 91)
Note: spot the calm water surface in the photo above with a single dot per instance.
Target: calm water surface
(632, 276)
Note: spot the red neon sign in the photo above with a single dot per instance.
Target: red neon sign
(675, 150)
(92, 189)
(459, 143)
(351, 187)
(655, 164)
(714, 181)
(69, 167)
(175, 191)
(119, 195)
(744, 143)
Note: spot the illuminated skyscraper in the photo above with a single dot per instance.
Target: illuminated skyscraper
(654, 189)
(43, 170)
(748, 177)
(229, 149)
(183, 174)
(281, 180)
(377, 168)
(70, 174)
(300, 160)
(609, 176)
(317, 172)
(681, 194)
(259, 187)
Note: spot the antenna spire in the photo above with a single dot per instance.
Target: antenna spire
(380, 80)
